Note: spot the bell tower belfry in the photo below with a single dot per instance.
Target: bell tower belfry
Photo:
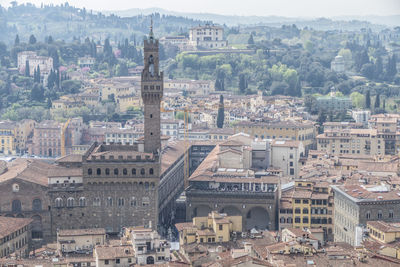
(152, 92)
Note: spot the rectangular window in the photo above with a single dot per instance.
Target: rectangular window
(221, 227)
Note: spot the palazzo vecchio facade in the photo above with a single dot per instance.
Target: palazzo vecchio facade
(119, 182)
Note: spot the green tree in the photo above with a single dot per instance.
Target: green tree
(368, 70)
(368, 100)
(377, 101)
(37, 92)
(251, 40)
(16, 42)
(357, 99)
(378, 68)
(27, 71)
(391, 69)
(221, 112)
(242, 83)
(32, 39)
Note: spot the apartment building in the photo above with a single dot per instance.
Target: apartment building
(148, 246)
(285, 155)
(7, 138)
(355, 205)
(383, 238)
(80, 240)
(47, 139)
(304, 132)
(334, 103)
(351, 141)
(15, 236)
(308, 205)
(216, 227)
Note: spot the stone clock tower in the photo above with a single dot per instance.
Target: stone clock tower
(152, 93)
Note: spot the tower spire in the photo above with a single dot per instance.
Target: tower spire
(151, 35)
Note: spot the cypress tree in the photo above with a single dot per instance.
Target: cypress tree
(221, 112)
(377, 101)
(251, 40)
(32, 39)
(16, 42)
(27, 71)
(368, 100)
(38, 74)
(242, 83)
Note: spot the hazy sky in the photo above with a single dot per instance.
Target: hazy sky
(291, 8)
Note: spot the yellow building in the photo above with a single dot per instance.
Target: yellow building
(22, 132)
(308, 205)
(216, 227)
(304, 131)
(384, 238)
(7, 138)
(130, 100)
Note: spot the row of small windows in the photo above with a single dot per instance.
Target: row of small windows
(380, 214)
(109, 202)
(124, 171)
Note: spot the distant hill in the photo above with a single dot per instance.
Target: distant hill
(67, 23)
(348, 22)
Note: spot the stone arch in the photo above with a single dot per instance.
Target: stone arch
(231, 211)
(20, 216)
(201, 211)
(37, 227)
(150, 260)
(258, 218)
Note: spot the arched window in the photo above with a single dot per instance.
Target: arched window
(289, 220)
(151, 171)
(146, 185)
(109, 201)
(282, 220)
(98, 171)
(82, 202)
(125, 171)
(133, 202)
(115, 171)
(142, 171)
(133, 171)
(152, 185)
(329, 220)
(70, 202)
(96, 202)
(89, 171)
(16, 206)
(305, 211)
(107, 171)
(59, 202)
(121, 202)
(36, 205)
